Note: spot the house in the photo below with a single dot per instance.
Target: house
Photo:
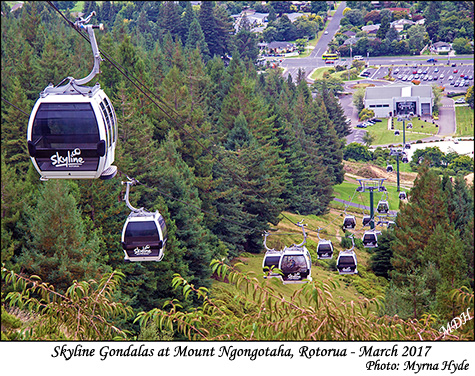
(278, 48)
(349, 33)
(371, 28)
(351, 41)
(399, 24)
(441, 47)
(294, 16)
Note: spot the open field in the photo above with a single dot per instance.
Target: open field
(383, 136)
(464, 116)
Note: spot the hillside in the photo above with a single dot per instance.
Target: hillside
(365, 284)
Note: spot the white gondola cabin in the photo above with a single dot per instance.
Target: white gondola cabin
(271, 261)
(325, 249)
(402, 196)
(72, 130)
(389, 168)
(347, 262)
(366, 220)
(296, 262)
(144, 236)
(349, 222)
(383, 207)
(73, 136)
(370, 239)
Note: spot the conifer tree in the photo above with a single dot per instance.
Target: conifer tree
(381, 258)
(58, 249)
(417, 221)
(14, 127)
(195, 38)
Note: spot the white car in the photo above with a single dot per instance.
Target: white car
(326, 32)
(460, 100)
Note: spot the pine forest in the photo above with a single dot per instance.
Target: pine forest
(226, 151)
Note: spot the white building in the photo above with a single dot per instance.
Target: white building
(398, 99)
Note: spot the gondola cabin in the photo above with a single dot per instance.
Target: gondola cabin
(366, 220)
(349, 222)
(325, 249)
(407, 146)
(347, 262)
(144, 236)
(295, 263)
(405, 160)
(402, 196)
(383, 207)
(370, 239)
(271, 261)
(389, 168)
(396, 133)
(73, 134)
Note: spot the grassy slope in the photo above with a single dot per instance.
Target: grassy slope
(464, 116)
(349, 287)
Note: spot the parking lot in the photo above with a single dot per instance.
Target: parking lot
(456, 76)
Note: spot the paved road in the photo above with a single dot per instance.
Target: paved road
(314, 60)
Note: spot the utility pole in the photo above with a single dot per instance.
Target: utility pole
(371, 185)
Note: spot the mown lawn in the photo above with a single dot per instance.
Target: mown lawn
(347, 191)
(464, 116)
(383, 136)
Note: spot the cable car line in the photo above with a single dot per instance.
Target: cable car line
(184, 130)
(19, 109)
(188, 204)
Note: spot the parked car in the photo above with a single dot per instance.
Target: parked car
(424, 71)
(361, 125)
(419, 71)
(432, 60)
(460, 100)
(436, 70)
(442, 76)
(326, 32)
(450, 78)
(456, 70)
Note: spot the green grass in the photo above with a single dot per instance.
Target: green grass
(383, 136)
(348, 287)
(346, 190)
(464, 116)
(78, 7)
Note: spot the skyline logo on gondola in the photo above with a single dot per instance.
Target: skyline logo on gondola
(71, 160)
(144, 251)
(347, 269)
